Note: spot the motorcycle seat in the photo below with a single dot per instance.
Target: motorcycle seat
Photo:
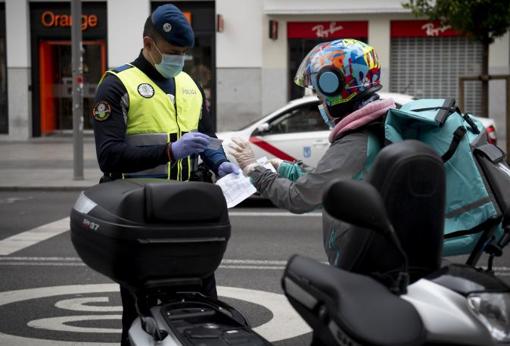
(345, 307)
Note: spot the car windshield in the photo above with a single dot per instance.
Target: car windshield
(251, 123)
(257, 120)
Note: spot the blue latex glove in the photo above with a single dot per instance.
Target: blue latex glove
(190, 143)
(226, 168)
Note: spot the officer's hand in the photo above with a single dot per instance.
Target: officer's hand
(226, 168)
(243, 153)
(190, 143)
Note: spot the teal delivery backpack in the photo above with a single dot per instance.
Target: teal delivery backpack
(477, 176)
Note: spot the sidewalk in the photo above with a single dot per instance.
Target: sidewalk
(46, 164)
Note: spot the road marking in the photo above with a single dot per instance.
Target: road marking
(59, 324)
(249, 264)
(251, 267)
(11, 200)
(252, 261)
(76, 262)
(42, 259)
(28, 238)
(285, 323)
(36, 235)
(80, 304)
(273, 213)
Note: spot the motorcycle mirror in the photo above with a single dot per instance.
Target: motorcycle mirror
(357, 203)
(360, 204)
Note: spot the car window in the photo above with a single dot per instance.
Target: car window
(301, 119)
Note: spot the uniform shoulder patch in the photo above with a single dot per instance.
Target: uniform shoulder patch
(101, 111)
(146, 90)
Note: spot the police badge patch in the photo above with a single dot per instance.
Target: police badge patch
(101, 111)
(146, 90)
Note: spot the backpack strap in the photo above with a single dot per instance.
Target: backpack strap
(451, 110)
(375, 142)
(447, 109)
(459, 133)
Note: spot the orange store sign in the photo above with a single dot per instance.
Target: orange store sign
(50, 19)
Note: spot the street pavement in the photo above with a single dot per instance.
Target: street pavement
(46, 163)
(49, 297)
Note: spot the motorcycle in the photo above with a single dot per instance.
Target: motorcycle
(409, 297)
(159, 239)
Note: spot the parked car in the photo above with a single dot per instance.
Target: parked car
(296, 131)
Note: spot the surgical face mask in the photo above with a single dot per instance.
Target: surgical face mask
(325, 116)
(171, 65)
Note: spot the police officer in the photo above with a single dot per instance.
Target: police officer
(151, 120)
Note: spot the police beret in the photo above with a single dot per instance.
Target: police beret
(170, 22)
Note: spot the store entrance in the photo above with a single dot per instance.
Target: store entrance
(55, 77)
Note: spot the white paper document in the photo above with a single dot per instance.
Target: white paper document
(265, 162)
(236, 188)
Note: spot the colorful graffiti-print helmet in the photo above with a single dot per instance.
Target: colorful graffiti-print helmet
(340, 71)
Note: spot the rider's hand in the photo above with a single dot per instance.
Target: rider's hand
(276, 163)
(243, 153)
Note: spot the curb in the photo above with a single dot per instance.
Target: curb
(43, 188)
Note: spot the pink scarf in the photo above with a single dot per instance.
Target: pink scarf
(360, 117)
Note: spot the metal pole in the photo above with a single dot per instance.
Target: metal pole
(77, 90)
(461, 93)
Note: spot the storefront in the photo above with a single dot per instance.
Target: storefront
(303, 36)
(201, 60)
(427, 61)
(4, 115)
(51, 63)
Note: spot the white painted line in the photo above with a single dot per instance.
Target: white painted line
(77, 259)
(39, 259)
(59, 324)
(82, 304)
(251, 267)
(251, 261)
(48, 264)
(272, 213)
(282, 314)
(28, 238)
(255, 264)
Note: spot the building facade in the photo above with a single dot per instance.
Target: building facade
(246, 54)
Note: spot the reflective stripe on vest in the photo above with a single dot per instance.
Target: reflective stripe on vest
(153, 119)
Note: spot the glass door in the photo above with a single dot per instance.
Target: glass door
(55, 76)
(198, 66)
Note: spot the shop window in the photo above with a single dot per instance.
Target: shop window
(51, 63)
(4, 116)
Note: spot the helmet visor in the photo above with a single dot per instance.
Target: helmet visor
(310, 66)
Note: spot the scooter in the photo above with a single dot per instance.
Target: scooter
(158, 237)
(405, 299)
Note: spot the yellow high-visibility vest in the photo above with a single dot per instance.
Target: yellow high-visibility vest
(154, 119)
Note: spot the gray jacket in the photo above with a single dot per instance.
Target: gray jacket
(344, 159)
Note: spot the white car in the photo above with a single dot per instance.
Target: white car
(296, 131)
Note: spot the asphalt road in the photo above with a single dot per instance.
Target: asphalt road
(47, 293)
(49, 297)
